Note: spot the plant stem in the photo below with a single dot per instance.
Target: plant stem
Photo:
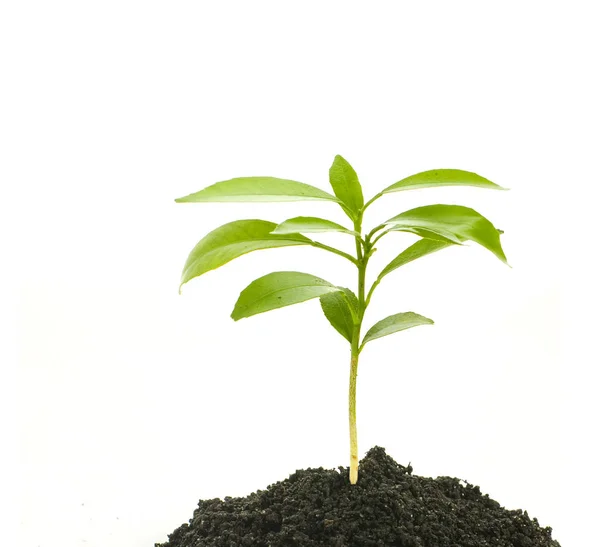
(333, 250)
(377, 196)
(379, 236)
(375, 230)
(370, 293)
(352, 407)
(361, 262)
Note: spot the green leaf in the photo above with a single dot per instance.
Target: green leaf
(395, 323)
(232, 240)
(421, 248)
(279, 289)
(258, 189)
(310, 224)
(453, 223)
(441, 177)
(341, 309)
(347, 188)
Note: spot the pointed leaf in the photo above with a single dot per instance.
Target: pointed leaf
(232, 240)
(345, 184)
(279, 289)
(454, 223)
(258, 189)
(441, 177)
(421, 248)
(395, 323)
(310, 224)
(340, 309)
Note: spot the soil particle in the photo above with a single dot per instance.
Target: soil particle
(388, 507)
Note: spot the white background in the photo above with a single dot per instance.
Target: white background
(133, 402)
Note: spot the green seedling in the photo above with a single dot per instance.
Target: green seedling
(438, 227)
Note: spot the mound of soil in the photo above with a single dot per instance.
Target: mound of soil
(388, 507)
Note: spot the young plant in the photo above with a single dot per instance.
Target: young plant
(438, 227)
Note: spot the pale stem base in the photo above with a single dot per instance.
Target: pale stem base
(352, 416)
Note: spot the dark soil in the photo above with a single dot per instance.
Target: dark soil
(387, 507)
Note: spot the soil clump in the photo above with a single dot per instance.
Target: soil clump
(388, 507)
